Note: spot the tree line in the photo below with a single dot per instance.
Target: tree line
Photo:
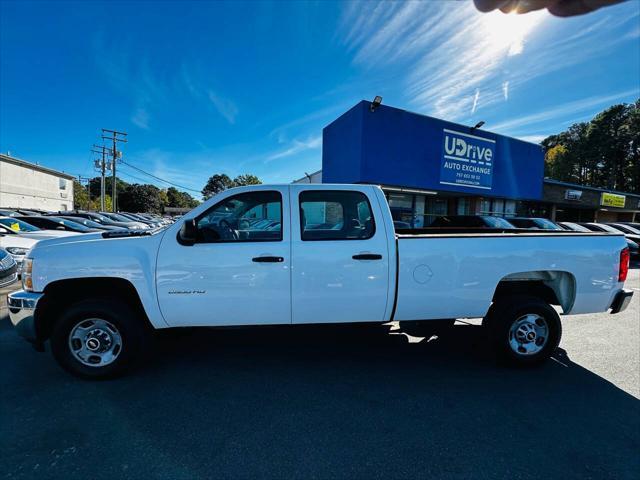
(135, 197)
(603, 152)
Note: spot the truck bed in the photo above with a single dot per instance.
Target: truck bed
(454, 272)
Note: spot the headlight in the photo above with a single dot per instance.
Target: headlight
(27, 271)
(17, 250)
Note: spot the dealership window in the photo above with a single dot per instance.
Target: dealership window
(509, 208)
(401, 206)
(246, 217)
(434, 207)
(497, 207)
(335, 215)
(464, 206)
(484, 206)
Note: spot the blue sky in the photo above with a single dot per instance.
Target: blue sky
(208, 87)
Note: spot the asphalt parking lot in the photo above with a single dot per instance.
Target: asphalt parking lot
(331, 402)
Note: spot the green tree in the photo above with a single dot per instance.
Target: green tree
(179, 199)
(95, 204)
(604, 152)
(80, 196)
(94, 186)
(140, 198)
(217, 183)
(246, 179)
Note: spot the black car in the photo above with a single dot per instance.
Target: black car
(90, 223)
(473, 221)
(534, 223)
(8, 269)
(633, 241)
(57, 223)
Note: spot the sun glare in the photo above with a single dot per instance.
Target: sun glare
(508, 32)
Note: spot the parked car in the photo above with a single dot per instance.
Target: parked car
(603, 227)
(116, 217)
(8, 212)
(57, 224)
(16, 244)
(574, 227)
(534, 223)
(635, 225)
(27, 230)
(101, 219)
(136, 218)
(8, 269)
(473, 221)
(626, 228)
(90, 223)
(96, 301)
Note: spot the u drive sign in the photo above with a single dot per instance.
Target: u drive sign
(467, 160)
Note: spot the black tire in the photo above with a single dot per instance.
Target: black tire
(130, 327)
(427, 328)
(502, 317)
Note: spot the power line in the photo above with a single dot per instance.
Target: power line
(127, 174)
(158, 178)
(114, 137)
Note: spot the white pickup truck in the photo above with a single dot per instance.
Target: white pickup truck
(303, 254)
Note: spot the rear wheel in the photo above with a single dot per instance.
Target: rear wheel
(98, 338)
(523, 330)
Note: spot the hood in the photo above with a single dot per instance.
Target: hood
(45, 234)
(16, 241)
(100, 238)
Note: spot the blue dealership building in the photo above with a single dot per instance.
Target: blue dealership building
(429, 167)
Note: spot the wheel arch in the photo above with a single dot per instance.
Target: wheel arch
(553, 286)
(62, 293)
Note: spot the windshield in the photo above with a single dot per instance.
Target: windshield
(71, 224)
(609, 228)
(18, 225)
(546, 224)
(119, 218)
(628, 229)
(575, 227)
(498, 222)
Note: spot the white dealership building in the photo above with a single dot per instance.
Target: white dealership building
(28, 185)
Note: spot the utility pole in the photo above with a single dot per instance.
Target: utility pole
(102, 167)
(114, 153)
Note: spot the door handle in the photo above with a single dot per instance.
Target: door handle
(267, 259)
(367, 256)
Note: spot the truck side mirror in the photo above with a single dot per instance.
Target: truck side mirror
(188, 232)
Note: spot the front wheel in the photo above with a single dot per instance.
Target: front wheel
(523, 330)
(98, 338)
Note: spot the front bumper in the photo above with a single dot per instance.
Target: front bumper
(621, 301)
(22, 307)
(7, 277)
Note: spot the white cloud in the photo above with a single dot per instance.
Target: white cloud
(449, 53)
(296, 147)
(446, 51)
(225, 107)
(140, 118)
(532, 138)
(568, 109)
(475, 100)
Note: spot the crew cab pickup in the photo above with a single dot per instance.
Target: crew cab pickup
(308, 254)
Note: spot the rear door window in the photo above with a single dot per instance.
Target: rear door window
(335, 215)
